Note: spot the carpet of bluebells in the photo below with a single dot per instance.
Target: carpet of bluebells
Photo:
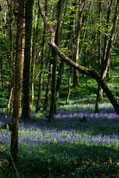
(67, 147)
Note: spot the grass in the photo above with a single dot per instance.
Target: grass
(66, 147)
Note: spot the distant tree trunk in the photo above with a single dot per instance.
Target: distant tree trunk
(60, 73)
(69, 86)
(27, 56)
(34, 53)
(71, 35)
(61, 70)
(108, 48)
(33, 66)
(54, 62)
(10, 4)
(1, 73)
(77, 51)
(38, 105)
(47, 89)
(99, 91)
(18, 80)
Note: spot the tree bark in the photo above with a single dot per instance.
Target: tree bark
(12, 67)
(69, 86)
(18, 80)
(54, 62)
(47, 89)
(81, 5)
(99, 96)
(38, 105)
(27, 56)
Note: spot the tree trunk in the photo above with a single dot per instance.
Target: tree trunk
(18, 80)
(38, 105)
(47, 89)
(89, 72)
(1, 73)
(34, 53)
(107, 50)
(33, 67)
(60, 73)
(99, 91)
(27, 56)
(69, 86)
(12, 67)
(77, 51)
(54, 62)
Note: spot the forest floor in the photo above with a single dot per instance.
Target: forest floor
(66, 147)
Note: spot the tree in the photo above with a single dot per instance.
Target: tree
(108, 43)
(90, 72)
(54, 62)
(18, 79)
(10, 13)
(27, 57)
(42, 67)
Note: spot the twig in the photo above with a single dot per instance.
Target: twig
(14, 165)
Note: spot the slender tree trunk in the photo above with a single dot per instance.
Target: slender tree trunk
(77, 53)
(54, 62)
(61, 70)
(27, 56)
(38, 105)
(60, 73)
(47, 89)
(69, 86)
(10, 98)
(11, 56)
(99, 91)
(18, 80)
(107, 50)
(1, 73)
(33, 67)
(34, 54)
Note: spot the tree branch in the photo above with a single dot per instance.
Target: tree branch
(90, 72)
(46, 22)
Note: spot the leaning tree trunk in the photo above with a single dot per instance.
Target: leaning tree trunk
(89, 72)
(18, 80)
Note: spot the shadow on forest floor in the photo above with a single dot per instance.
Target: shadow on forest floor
(86, 156)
